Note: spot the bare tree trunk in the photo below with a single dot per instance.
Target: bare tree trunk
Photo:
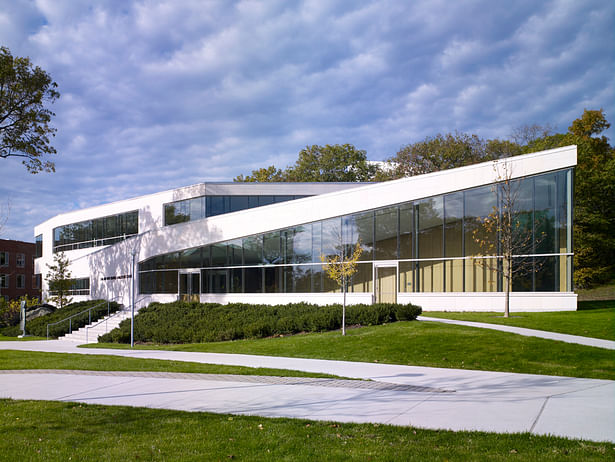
(507, 281)
(344, 307)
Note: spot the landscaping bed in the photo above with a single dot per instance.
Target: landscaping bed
(182, 322)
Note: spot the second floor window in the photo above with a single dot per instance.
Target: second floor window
(21, 281)
(4, 259)
(21, 260)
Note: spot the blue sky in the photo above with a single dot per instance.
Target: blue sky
(162, 94)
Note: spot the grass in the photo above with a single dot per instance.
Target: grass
(597, 323)
(426, 344)
(12, 359)
(4, 338)
(41, 430)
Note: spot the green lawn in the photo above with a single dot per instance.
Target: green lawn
(3, 338)
(426, 344)
(12, 359)
(50, 431)
(597, 323)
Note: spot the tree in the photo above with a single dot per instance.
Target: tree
(59, 280)
(315, 163)
(340, 268)
(507, 232)
(594, 196)
(331, 163)
(25, 128)
(441, 152)
(527, 134)
(270, 174)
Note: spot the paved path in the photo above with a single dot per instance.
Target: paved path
(430, 397)
(589, 341)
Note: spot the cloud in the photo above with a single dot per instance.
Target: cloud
(157, 94)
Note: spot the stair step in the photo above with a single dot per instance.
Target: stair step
(101, 326)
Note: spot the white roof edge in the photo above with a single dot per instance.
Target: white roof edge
(204, 186)
(431, 179)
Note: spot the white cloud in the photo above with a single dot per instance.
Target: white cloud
(157, 93)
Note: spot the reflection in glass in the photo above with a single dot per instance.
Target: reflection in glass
(386, 234)
(440, 233)
(362, 280)
(406, 230)
(407, 271)
(253, 280)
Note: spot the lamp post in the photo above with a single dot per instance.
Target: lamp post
(132, 313)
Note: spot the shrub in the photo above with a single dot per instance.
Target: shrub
(10, 311)
(38, 326)
(181, 322)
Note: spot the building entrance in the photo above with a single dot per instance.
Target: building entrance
(190, 286)
(386, 284)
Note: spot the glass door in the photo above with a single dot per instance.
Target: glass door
(386, 284)
(190, 286)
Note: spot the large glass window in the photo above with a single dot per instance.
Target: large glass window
(359, 227)
(253, 250)
(453, 241)
(441, 244)
(406, 230)
(480, 275)
(387, 227)
(39, 246)
(97, 232)
(200, 207)
(430, 277)
(297, 243)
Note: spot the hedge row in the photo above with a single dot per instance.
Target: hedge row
(38, 326)
(182, 322)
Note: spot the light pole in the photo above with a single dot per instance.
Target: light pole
(132, 314)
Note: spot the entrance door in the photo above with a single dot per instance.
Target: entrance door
(386, 284)
(189, 287)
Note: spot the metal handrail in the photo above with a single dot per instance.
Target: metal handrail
(70, 321)
(106, 319)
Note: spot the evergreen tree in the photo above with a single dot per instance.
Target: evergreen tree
(59, 280)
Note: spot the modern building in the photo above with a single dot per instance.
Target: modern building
(423, 240)
(17, 270)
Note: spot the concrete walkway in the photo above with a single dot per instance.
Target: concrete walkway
(589, 341)
(428, 397)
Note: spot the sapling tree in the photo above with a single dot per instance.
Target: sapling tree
(59, 280)
(507, 232)
(340, 267)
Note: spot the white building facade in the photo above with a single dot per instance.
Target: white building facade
(263, 242)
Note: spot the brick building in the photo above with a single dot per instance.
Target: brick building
(17, 276)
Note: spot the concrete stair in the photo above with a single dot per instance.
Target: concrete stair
(90, 333)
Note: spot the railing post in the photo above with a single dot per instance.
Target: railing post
(90, 316)
(70, 325)
(47, 331)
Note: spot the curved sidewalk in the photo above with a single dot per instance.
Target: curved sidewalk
(588, 341)
(433, 398)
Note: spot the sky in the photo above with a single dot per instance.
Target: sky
(161, 94)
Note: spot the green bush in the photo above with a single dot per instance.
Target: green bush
(38, 326)
(182, 322)
(11, 331)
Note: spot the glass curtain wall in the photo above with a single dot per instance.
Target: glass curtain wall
(200, 207)
(439, 244)
(96, 232)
